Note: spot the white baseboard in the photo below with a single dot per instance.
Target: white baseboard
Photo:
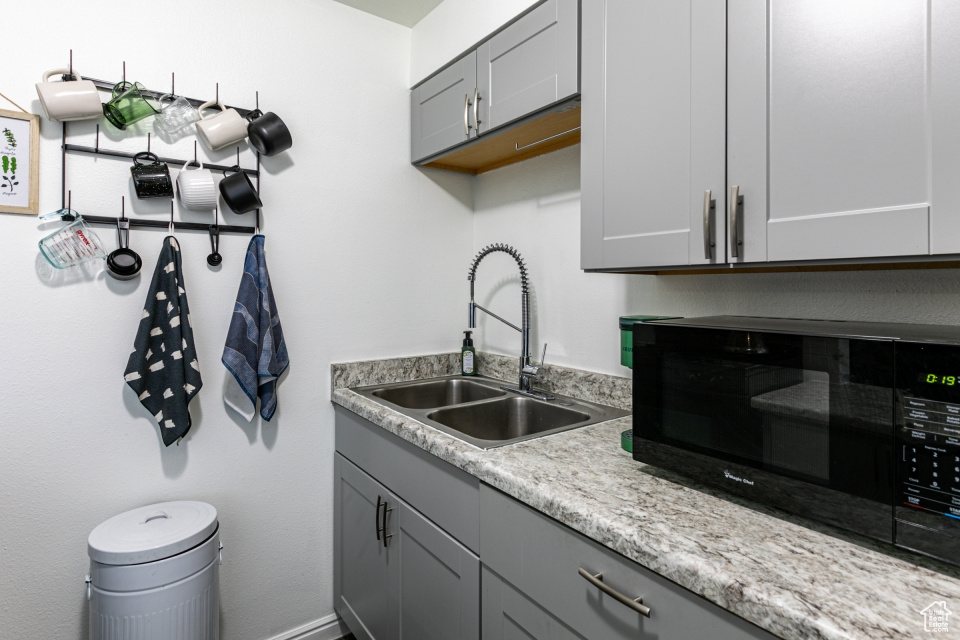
(329, 627)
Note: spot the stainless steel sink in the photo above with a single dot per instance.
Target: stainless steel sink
(436, 393)
(507, 418)
(478, 411)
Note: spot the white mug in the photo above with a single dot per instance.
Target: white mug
(196, 188)
(222, 129)
(69, 100)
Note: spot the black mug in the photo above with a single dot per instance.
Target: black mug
(151, 180)
(238, 192)
(267, 132)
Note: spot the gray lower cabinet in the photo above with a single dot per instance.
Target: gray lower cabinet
(366, 570)
(820, 136)
(510, 615)
(531, 63)
(540, 560)
(399, 576)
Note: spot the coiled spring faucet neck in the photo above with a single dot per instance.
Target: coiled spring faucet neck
(524, 329)
(505, 248)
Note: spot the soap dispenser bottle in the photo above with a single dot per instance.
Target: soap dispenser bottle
(468, 356)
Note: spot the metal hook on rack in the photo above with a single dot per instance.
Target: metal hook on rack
(69, 215)
(258, 100)
(214, 259)
(71, 64)
(173, 84)
(238, 156)
(218, 92)
(172, 227)
(123, 225)
(194, 151)
(148, 143)
(124, 72)
(96, 146)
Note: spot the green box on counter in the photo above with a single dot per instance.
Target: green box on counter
(626, 335)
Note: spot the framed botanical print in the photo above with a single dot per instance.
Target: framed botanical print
(19, 162)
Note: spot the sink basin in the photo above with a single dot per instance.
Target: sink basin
(437, 393)
(507, 418)
(477, 411)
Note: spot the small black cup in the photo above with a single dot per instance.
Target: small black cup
(151, 180)
(268, 134)
(238, 191)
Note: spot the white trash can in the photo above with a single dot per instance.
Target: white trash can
(155, 574)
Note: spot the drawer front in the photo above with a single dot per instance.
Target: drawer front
(542, 558)
(444, 494)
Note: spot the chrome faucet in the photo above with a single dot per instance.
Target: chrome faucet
(528, 370)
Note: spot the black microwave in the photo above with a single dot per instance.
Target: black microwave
(855, 424)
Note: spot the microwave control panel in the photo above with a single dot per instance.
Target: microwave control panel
(927, 500)
(930, 456)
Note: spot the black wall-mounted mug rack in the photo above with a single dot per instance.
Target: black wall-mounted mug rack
(97, 150)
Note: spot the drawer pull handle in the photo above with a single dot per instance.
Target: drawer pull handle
(597, 581)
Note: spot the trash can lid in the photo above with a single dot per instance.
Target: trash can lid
(151, 533)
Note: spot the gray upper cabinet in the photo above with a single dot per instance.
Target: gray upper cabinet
(532, 63)
(841, 132)
(831, 128)
(652, 142)
(440, 108)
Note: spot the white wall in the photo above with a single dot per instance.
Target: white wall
(363, 249)
(535, 206)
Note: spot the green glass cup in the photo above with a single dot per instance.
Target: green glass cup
(130, 103)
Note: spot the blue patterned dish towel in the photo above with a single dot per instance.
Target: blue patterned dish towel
(255, 353)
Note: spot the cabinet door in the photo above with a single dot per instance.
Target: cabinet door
(829, 115)
(532, 63)
(365, 572)
(653, 120)
(440, 109)
(510, 615)
(439, 591)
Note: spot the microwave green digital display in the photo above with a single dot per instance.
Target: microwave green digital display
(937, 379)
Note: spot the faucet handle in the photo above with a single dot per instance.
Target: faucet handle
(533, 370)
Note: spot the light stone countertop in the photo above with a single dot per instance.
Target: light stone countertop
(796, 578)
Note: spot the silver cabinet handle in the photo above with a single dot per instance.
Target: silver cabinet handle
(476, 109)
(597, 581)
(466, 115)
(736, 200)
(709, 205)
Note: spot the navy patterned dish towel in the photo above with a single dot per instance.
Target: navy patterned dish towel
(255, 353)
(163, 369)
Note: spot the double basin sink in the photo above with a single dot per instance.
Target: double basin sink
(478, 411)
